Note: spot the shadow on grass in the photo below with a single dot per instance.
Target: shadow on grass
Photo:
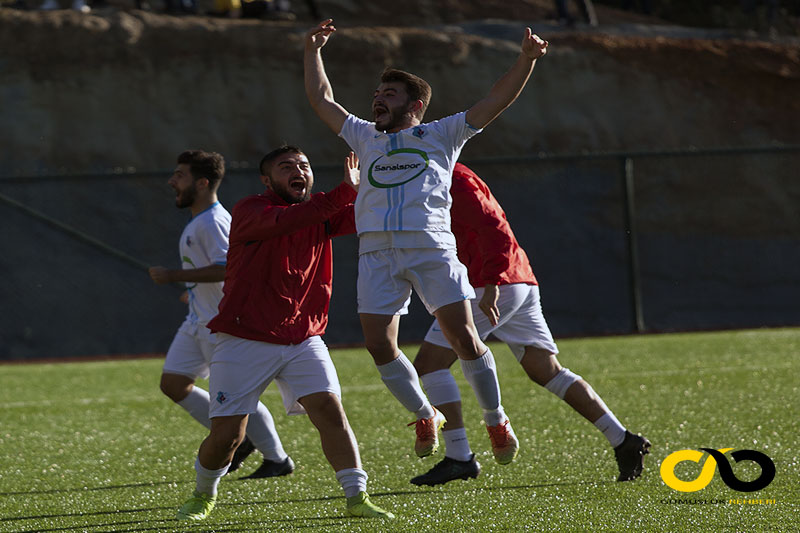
(419, 491)
(175, 525)
(92, 489)
(452, 490)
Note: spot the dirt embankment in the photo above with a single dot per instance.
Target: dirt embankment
(126, 88)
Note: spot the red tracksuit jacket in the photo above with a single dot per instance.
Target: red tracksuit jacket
(486, 244)
(278, 278)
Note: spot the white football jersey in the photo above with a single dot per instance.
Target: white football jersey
(406, 176)
(204, 242)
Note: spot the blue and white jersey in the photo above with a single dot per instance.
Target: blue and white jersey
(406, 176)
(204, 242)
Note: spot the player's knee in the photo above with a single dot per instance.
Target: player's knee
(466, 343)
(226, 434)
(176, 388)
(325, 410)
(381, 350)
(540, 364)
(432, 358)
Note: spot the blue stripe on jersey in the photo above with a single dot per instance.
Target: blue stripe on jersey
(400, 210)
(388, 209)
(395, 207)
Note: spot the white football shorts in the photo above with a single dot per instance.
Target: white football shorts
(241, 369)
(190, 352)
(386, 277)
(521, 322)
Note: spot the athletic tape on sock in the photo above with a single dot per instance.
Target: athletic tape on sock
(561, 382)
(441, 387)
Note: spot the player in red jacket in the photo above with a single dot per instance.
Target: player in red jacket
(273, 310)
(508, 306)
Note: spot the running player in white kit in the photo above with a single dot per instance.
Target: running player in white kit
(508, 306)
(203, 249)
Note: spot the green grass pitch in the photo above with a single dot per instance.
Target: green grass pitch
(95, 446)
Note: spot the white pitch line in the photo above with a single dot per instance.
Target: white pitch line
(703, 370)
(127, 399)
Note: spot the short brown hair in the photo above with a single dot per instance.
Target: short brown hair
(270, 157)
(416, 87)
(209, 165)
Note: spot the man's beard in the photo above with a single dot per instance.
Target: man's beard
(287, 195)
(395, 119)
(186, 197)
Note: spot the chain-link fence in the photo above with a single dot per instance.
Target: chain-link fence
(623, 242)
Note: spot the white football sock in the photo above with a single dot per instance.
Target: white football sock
(264, 436)
(352, 480)
(457, 444)
(400, 377)
(611, 428)
(208, 480)
(482, 376)
(196, 404)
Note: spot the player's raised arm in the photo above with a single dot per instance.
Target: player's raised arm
(508, 87)
(318, 87)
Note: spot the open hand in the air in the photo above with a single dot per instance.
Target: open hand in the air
(352, 176)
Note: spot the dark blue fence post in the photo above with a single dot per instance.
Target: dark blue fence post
(629, 208)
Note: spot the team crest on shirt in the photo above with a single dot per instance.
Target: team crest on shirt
(419, 132)
(221, 397)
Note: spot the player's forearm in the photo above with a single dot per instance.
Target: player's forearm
(320, 92)
(254, 222)
(207, 274)
(502, 94)
(508, 87)
(318, 87)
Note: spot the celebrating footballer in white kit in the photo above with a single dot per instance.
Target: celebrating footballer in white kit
(403, 224)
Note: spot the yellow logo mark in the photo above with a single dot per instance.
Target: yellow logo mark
(706, 474)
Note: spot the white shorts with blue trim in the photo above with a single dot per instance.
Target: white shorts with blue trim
(190, 352)
(521, 321)
(241, 370)
(386, 277)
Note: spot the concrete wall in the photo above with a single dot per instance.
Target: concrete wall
(714, 253)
